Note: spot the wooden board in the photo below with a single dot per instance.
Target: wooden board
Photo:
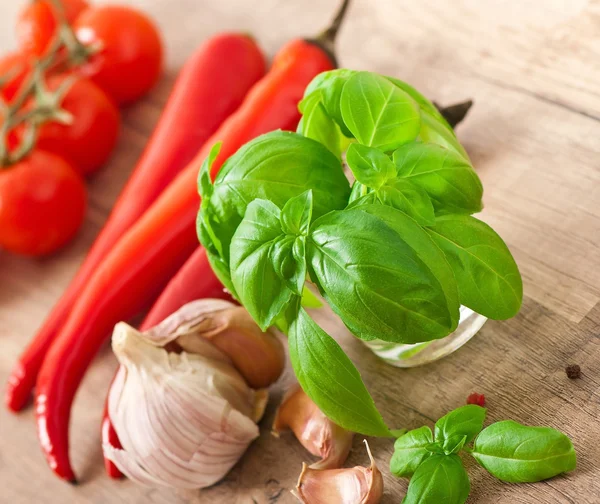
(533, 69)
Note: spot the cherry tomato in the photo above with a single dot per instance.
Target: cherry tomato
(91, 137)
(130, 61)
(38, 21)
(14, 68)
(42, 204)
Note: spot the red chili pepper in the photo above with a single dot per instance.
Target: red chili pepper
(157, 245)
(210, 87)
(195, 280)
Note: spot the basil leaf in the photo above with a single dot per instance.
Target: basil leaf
(383, 275)
(488, 278)
(205, 185)
(409, 198)
(410, 450)
(400, 194)
(370, 166)
(276, 167)
(330, 379)
(454, 444)
(378, 113)
(435, 448)
(255, 275)
(464, 421)
(448, 178)
(318, 125)
(436, 132)
(309, 299)
(297, 213)
(520, 454)
(288, 257)
(219, 267)
(423, 102)
(439, 479)
(329, 85)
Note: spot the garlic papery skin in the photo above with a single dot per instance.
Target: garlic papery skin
(319, 435)
(183, 419)
(358, 485)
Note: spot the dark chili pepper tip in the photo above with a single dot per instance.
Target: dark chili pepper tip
(573, 371)
(73, 482)
(454, 114)
(326, 39)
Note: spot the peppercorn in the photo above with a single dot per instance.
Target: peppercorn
(573, 371)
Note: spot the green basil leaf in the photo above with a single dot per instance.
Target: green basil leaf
(409, 198)
(488, 278)
(435, 448)
(254, 274)
(435, 132)
(423, 102)
(297, 213)
(397, 193)
(288, 256)
(309, 299)
(318, 125)
(448, 178)
(378, 113)
(329, 85)
(363, 193)
(520, 454)
(439, 479)
(454, 444)
(410, 450)
(219, 267)
(330, 379)
(464, 421)
(276, 167)
(370, 166)
(383, 275)
(205, 185)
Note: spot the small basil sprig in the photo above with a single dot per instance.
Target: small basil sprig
(508, 450)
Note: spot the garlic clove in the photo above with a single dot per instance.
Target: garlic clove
(358, 485)
(319, 435)
(259, 356)
(183, 419)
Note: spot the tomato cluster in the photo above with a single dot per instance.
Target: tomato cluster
(59, 121)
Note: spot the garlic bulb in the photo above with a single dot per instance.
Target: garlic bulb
(319, 435)
(184, 419)
(358, 485)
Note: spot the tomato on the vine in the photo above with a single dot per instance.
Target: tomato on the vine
(90, 138)
(38, 22)
(14, 68)
(130, 61)
(42, 204)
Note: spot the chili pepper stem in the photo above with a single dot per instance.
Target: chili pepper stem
(326, 39)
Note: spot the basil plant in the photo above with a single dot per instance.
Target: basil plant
(394, 254)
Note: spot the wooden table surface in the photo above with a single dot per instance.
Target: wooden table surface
(533, 69)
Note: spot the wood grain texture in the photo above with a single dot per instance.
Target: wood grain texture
(533, 69)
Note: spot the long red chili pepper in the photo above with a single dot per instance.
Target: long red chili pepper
(195, 280)
(157, 245)
(211, 86)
